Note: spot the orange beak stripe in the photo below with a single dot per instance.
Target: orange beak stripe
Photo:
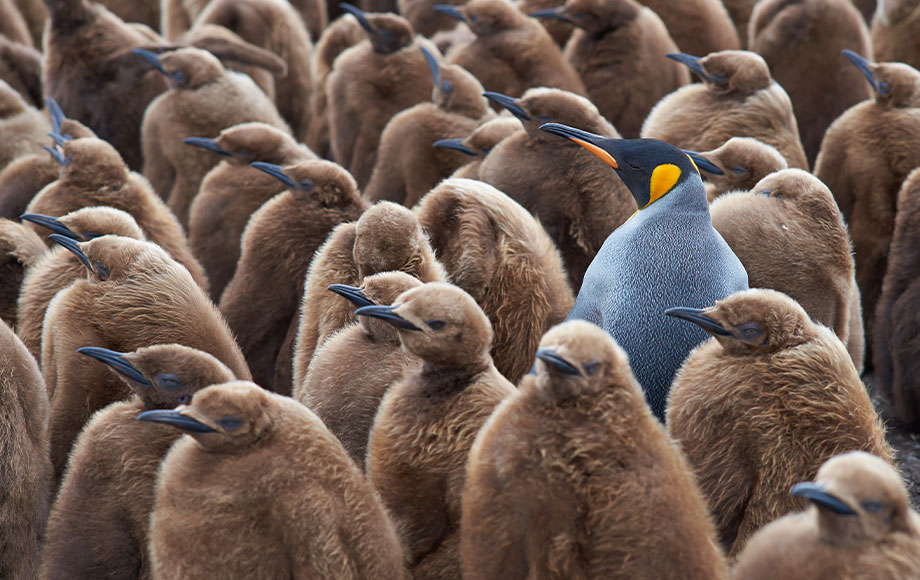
(606, 157)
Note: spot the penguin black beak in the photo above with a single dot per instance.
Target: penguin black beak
(814, 492)
(703, 163)
(151, 57)
(456, 145)
(73, 247)
(509, 103)
(449, 10)
(176, 419)
(697, 316)
(865, 66)
(206, 143)
(693, 63)
(57, 115)
(593, 143)
(275, 171)
(552, 14)
(359, 14)
(117, 361)
(46, 221)
(555, 360)
(58, 156)
(59, 139)
(352, 294)
(433, 65)
(386, 313)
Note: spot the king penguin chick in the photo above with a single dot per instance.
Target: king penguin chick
(387, 237)
(445, 400)
(865, 156)
(860, 526)
(578, 438)
(480, 142)
(93, 173)
(203, 99)
(20, 250)
(371, 82)
(801, 43)
(739, 164)
(894, 32)
(58, 268)
(26, 477)
(762, 404)
(23, 128)
(99, 523)
(788, 233)
(272, 489)
(233, 190)
(21, 68)
(566, 188)
(738, 98)
(500, 254)
(668, 251)
(134, 295)
(697, 26)
(351, 372)
(619, 52)
(511, 52)
(408, 165)
(895, 351)
(277, 246)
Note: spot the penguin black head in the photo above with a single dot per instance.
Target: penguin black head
(649, 168)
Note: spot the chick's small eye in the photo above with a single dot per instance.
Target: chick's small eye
(750, 330)
(738, 170)
(872, 506)
(169, 381)
(884, 88)
(229, 423)
(101, 270)
(592, 367)
(436, 324)
(184, 399)
(447, 87)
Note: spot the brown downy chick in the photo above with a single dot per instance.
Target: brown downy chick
(480, 142)
(737, 165)
(341, 34)
(737, 98)
(425, 18)
(895, 352)
(565, 186)
(511, 52)
(578, 438)
(99, 523)
(697, 26)
(619, 51)
(277, 246)
(500, 254)
(134, 295)
(801, 43)
(387, 237)
(21, 68)
(272, 489)
(351, 372)
(233, 190)
(35, 14)
(866, 155)
(559, 29)
(12, 24)
(788, 233)
(23, 129)
(860, 526)
(894, 32)
(369, 84)
(20, 249)
(408, 165)
(273, 25)
(203, 99)
(761, 405)
(93, 173)
(26, 477)
(57, 269)
(445, 400)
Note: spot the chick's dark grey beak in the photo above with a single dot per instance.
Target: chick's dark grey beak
(552, 14)
(176, 419)
(703, 164)
(73, 247)
(58, 156)
(698, 316)
(207, 143)
(52, 223)
(117, 361)
(151, 57)
(275, 171)
(359, 14)
(556, 361)
(508, 103)
(693, 63)
(449, 10)
(456, 145)
(352, 294)
(814, 492)
(865, 67)
(432, 64)
(57, 115)
(386, 313)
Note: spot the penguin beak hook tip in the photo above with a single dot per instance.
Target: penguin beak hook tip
(117, 361)
(386, 313)
(698, 316)
(863, 65)
(509, 103)
(207, 143)
(456, 145)
(815, 493)
(351, 293)
(275, 171)
(52, 223)
(176, 419)
(73, 247)
(558, 362)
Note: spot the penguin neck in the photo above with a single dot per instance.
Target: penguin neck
(688, 197)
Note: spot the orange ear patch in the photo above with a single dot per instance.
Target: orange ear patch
(663, 179)
(607, 157)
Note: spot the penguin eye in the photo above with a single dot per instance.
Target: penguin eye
(592, 367)
(884, 88)
(229, 423)
(306, 185)
(486, 150)
(738, 170)
(634, 166)
(178, 76)
(436, 324)
(750, 331)
(872, 506)
(168, 381)
(766, 192)
(447, 87)
(101, 271)
(185, 399)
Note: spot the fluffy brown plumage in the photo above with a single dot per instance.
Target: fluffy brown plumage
(573, 477)
(566, 187)
(277, 246)
(23, 129)
(311, 514)
(880, 539)
(894, 32)
(443, 402)
(135, 295)
(865, 156)
(743, 162)
(21, 68)
(483, 140)
(387, 237)
(760, 407)
(801, 43)
(738, 98)
(99, 522)
(20, 249)
(495, 250)
(22, 179)
(788, 233)
(697, 26)
(26, 474)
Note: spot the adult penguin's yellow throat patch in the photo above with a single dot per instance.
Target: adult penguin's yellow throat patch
(664, 177)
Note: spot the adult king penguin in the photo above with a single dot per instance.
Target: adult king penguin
(667, 252)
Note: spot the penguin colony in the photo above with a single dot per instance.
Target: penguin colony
(474, 290)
